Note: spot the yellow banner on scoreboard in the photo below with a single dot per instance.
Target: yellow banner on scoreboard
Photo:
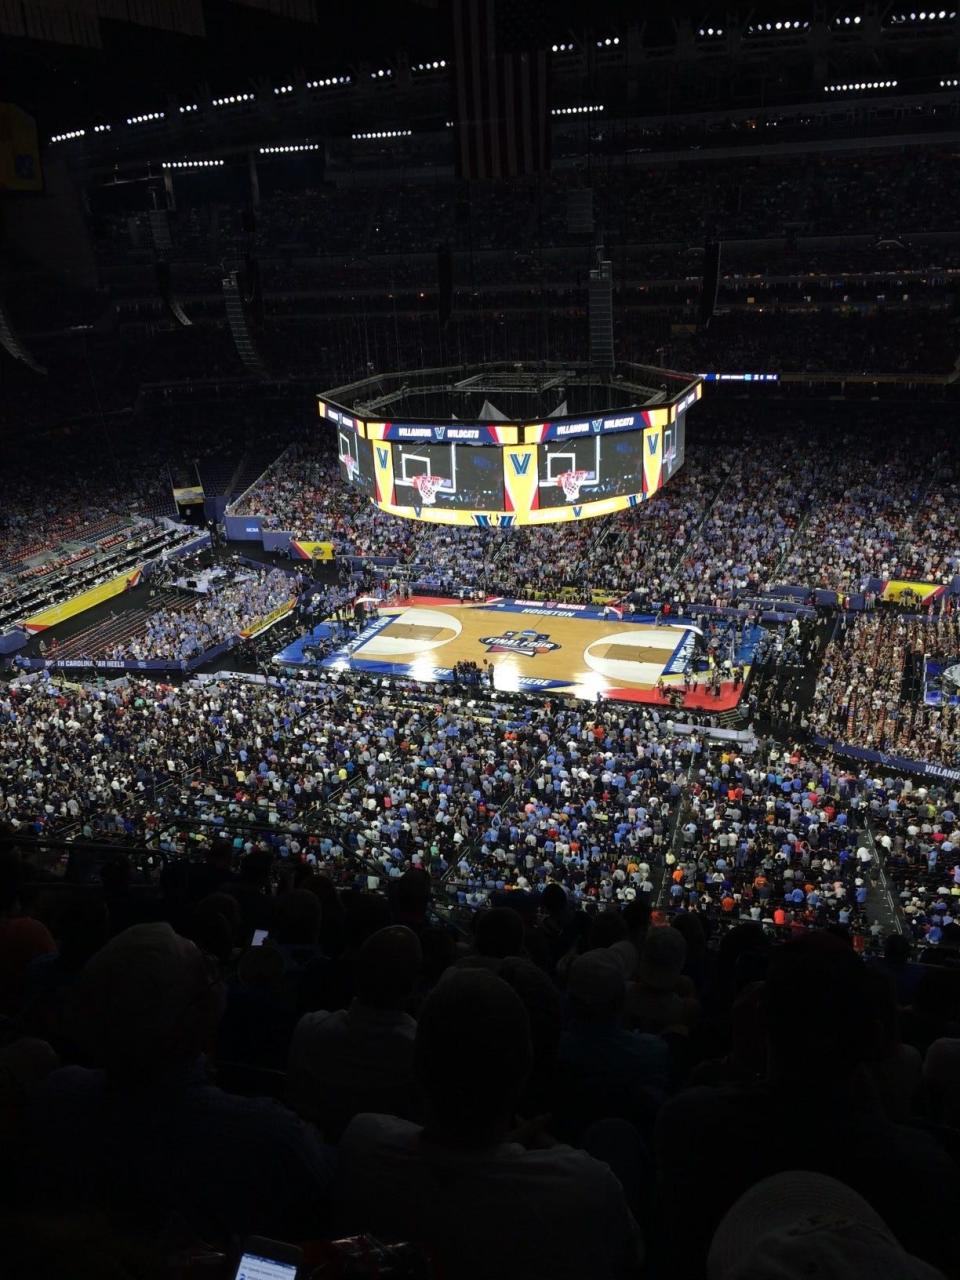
(510, 519)
(521, 478)
(383, 475)
(313, 550)
(652, 459)
(896, 588)
(86, 600)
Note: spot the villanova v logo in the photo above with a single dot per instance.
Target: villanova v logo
(520, 465)
(653, 443)
(382, 456)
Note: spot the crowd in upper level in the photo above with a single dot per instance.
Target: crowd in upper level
(872, 688)
(886, 193)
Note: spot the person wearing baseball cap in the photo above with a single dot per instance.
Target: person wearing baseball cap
(800, 1225)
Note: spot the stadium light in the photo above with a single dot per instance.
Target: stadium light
(382, 133)
(294, 146)
(191, 106)
(101, 128)
(605, 44)
(69, 136)
(792, 24)
(437, 65)
(379, 75)
(145, 119)
(577, 111)
(563, 48)
(192, 164)
(328, 82)
(233, 99)
(710, 32)
(860, 86)
(950, 84)
(932, 15)
(284, 88)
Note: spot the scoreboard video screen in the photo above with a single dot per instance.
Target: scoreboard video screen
(587, 468)
(465, 477)
(513, 474)
(355, 458)
(674, 443)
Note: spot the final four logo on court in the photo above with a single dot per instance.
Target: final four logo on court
(527, 643)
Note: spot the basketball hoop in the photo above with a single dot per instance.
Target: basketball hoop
(351, 465)
(570, 482)
(426, 487)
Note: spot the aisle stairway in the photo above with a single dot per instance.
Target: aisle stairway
(103, 636)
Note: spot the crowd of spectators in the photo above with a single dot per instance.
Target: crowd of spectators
(228, 609)
(745, 513)
(539, 988)
(413, 782)
(780, 841)
(871, 688)
(578, 1077)
(920, 843)
(736, 199)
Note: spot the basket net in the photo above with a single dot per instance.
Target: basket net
(426, 487)
(570, 482)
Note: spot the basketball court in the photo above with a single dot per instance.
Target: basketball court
(570, 650)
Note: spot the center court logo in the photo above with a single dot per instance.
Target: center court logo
(527, 643)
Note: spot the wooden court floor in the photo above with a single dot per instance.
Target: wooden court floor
(585, 655)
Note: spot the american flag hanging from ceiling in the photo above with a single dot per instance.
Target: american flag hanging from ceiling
(502, 109)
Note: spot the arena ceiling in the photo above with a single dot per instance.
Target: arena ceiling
(116, 52)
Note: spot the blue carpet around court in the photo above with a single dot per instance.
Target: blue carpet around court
(293, 655)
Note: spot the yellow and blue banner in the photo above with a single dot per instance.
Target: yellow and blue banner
(267, 620)
(86, 600)
(893, 590)
(188, 495)
(652, 459)
(304, 550)
(384, 490)
(521, 488)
